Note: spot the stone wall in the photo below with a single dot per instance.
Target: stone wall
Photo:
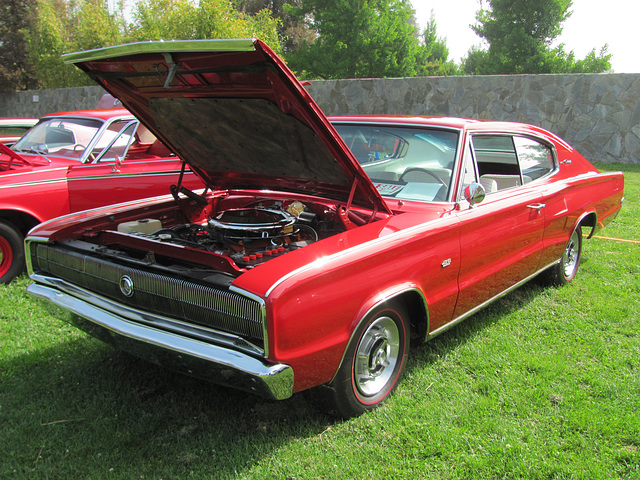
(36, 103)
(599, 114)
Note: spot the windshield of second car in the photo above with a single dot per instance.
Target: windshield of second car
(62, 137)
(402, 162)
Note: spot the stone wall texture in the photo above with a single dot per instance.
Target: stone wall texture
(599, 114)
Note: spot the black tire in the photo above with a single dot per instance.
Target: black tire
(372, 365)
(11, 252)
(565, 270)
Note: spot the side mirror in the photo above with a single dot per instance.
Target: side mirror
(474, 194)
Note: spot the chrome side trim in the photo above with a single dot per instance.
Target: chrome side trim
(36, 182)
(94, 177)
(192, 356)
(464, 316)
(126, 175)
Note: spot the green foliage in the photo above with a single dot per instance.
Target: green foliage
(15, 71)
(62, 26)
(47, 40)
(95, 27)
(291, 29)
(364, 38)
(433, 54)
(184, 19)
(320, 38)
(520, 34)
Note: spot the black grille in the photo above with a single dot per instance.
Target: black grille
(156, 293)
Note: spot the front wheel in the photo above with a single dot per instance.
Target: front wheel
(372, 365)
(565, 270)
(11, 252)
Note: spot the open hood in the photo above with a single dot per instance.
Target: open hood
(235, 113)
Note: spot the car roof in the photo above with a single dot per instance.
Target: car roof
(425, 120)
(468, 124)
(17, 122)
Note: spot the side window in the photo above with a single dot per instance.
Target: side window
(497, 162)
(536, 159)
(469, 174)
(116, 140)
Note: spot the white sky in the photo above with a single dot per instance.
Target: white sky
(592, 25)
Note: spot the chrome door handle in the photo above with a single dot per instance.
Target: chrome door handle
(537, 207)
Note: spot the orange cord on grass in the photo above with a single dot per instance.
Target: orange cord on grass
(617, 239)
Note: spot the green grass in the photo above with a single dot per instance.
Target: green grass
(543, 384)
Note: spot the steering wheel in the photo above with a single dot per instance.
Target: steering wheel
(79, 146)
(420, 171)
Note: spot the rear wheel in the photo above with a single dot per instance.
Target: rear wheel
(372, 365)
(565, 270)
(11, 252)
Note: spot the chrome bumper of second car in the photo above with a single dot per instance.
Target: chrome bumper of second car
(218, 364)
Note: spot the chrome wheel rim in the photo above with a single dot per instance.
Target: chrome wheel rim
(571, 255)
(377, 356)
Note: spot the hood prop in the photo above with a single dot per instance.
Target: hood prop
(351, 219)
(196, 200)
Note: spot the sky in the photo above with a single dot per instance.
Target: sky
(592, 24)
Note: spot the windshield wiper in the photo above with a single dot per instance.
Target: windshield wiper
(35, 151)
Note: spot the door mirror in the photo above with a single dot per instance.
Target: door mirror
(474, 193)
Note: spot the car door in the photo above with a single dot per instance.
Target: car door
(501, 237)
(116, 175)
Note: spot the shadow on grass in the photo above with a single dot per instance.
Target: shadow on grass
(82, 408)
(468, 329)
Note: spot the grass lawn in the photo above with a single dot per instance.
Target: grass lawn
(543, 384)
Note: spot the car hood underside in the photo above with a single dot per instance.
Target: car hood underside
(235, 113)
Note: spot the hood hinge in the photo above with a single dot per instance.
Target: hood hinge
(173, 68)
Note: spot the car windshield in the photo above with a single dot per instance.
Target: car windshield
(77, 138)
(62, 137)
(404, 163)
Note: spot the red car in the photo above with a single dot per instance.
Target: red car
(75, 161)
(325, 247)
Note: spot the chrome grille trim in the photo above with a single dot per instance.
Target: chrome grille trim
(157, 293)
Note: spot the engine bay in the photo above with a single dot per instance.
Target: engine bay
(248, 235)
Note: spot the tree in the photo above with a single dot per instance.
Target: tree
(64, 26)
(520, 34)
(291, 29)
(15, 71)
(362, 38)
(433, 56)
(184, 19)
(50, 36)
(95, 26)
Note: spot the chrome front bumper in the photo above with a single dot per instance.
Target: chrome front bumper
(214, 363)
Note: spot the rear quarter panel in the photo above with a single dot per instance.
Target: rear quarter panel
(572, 194)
